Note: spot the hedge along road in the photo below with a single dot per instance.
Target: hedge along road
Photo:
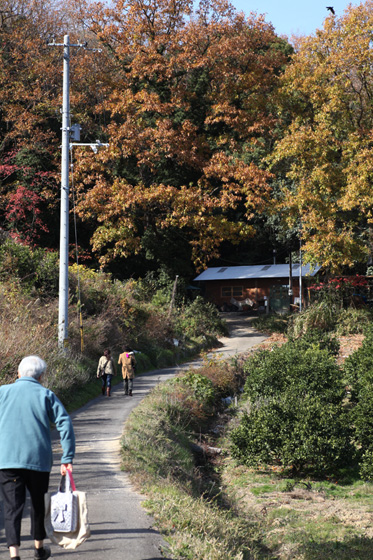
(120, 527)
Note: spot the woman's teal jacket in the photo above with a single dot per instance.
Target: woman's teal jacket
(27, 413)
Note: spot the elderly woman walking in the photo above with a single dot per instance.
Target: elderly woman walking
(106, 370)
(27, 410)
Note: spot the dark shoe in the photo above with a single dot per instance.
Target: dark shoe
(130, 393)
(42, 553)
(103, 391)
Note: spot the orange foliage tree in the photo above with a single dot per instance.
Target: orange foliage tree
(188, 103)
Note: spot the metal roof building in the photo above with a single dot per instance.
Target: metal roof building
(255, 271)
(255, 286)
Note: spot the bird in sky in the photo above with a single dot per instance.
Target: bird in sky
(331, 9)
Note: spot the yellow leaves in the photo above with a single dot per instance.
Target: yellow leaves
(359, 173)
(325, 153)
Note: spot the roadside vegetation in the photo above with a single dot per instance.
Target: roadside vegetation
(138, 313)
(264, 457)
(268, 457)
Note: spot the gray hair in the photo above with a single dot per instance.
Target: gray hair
(32, 366)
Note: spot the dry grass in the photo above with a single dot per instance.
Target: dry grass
(348, 344)
(29, 326)
(304, 520)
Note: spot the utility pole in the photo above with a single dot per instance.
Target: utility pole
(173, 296)
(300, 276)
(290, 281)
(67, 131)
(63, 314)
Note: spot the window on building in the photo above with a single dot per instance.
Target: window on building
(232, 291)
(237, 291)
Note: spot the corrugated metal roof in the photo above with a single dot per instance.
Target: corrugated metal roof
(257, 271)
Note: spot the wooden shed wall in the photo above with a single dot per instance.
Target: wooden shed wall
(256, 289)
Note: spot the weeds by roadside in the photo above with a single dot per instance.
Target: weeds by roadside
(189, 509)
(134, 313)
(246, 512)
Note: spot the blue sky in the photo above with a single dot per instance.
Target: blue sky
(291, 17)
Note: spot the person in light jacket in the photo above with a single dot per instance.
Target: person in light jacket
(27, 410)
(128, 363)
(106, 370)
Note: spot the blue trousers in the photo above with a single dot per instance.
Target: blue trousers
(106, 381)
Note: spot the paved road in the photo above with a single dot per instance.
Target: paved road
(121, 529)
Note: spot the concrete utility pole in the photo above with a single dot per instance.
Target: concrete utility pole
(290, 281)
(300, 276)
(67, 132)
(173, 296)
(63, 322)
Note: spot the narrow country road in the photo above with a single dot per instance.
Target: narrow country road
(121, 529)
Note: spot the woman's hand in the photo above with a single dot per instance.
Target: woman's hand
(65, 467)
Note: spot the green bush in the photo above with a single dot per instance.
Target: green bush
(317, 338)
(165, 357)
(17, 261)
(199, 319)
(202, 387)
(94, 288)
(36, 269)
(296, 416)
(366, 465)
(358, 369)
(271, 323)
(47, 273)
(298, 365)
(143, 362)
(362, 417)
(321, 316)
(157, 287)
(226, 377)
(353, 321)
(306, 434)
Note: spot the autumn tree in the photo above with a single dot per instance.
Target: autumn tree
(30, 116)
(30, 93)
(325, 155)
(189, 103)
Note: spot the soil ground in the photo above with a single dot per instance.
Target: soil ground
(348, 344)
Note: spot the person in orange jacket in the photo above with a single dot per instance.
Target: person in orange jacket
(128, 363)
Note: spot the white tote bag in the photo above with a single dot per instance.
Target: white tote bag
(64, 506)
(75, 537)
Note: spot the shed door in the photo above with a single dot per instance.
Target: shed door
(279, 299)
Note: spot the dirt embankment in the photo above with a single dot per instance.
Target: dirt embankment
(348, 344)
